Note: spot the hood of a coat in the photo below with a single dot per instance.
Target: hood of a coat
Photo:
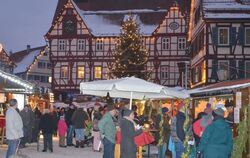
(221, 124)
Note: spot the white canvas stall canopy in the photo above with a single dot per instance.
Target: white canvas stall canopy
(14, 84)
(129, 87)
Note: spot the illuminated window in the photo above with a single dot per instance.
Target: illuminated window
(165, 44)
(247, 36)
(80, 71)
(223, 36)
(64, 72)
(62, 45)
(99, 45)
(181, 43)
(98, 72)
(81, 44)
(164, 72)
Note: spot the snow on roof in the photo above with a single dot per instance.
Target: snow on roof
(108, 23)
(227, 16)
(26, 61)
(229, 9)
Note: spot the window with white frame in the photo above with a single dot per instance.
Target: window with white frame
(98, 72)
(223, 70)
(62, 45)
(247, 69)
(165, 43)
(64, 72)
(164, 72)
(80, 71)
(81, 44)
(99, 44)
(247, 36)
(41, 65)
(223, 35)
(181, 43)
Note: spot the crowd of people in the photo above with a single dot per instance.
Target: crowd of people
(210, 134)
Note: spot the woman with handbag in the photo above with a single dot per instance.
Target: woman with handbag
(128, 132)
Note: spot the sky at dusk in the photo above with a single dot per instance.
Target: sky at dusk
(25, 22)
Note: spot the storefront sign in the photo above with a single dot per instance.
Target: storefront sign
(238, 99)
(237, 115)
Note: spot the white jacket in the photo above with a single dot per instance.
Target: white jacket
(14, 124)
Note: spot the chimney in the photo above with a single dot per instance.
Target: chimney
(28, 48)
(10, 52)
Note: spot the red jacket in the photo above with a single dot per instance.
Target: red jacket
(198, 128)
(62, 127)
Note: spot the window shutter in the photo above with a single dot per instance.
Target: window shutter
(214, 74)
(233, 71)
(241, 69)
(241, 35)
(233, 36)
(215, 35)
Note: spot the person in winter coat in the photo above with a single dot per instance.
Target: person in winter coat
(62, 129)
(163, 127)
(35, 132)
(78, 119)
(216, 141)
(180, 133)
(47, 127)
(28, 118)
(14, 128)
(70, 125)
(200, 125)
(128, 132)
(108, 131)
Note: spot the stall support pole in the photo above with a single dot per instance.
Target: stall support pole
(131, 99)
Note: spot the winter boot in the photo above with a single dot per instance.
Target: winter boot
(77, 144)
(82, 144)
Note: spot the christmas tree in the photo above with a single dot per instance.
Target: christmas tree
(130, 57)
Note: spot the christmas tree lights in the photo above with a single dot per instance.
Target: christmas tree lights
(130, 56)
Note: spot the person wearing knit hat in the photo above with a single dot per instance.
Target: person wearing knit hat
(128, 132)
(62, 129)
(217, 140)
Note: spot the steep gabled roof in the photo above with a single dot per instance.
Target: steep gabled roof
(23, 59)
(4, 56)
(225, 9)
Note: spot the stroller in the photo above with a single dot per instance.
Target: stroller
(88, 141)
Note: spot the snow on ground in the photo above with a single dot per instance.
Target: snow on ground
(69, 152)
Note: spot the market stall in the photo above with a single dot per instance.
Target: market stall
(134, 89)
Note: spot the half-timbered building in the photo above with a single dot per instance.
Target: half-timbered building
(6, 64)
(219, 36)
(33, 65)
(84, 33)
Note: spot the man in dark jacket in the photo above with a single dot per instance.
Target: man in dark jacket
(70, 130)
(180, 119)
(47, 127)
(28, 118)
(78, 119)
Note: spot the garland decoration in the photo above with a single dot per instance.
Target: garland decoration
(187, 130)
(240, 141)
